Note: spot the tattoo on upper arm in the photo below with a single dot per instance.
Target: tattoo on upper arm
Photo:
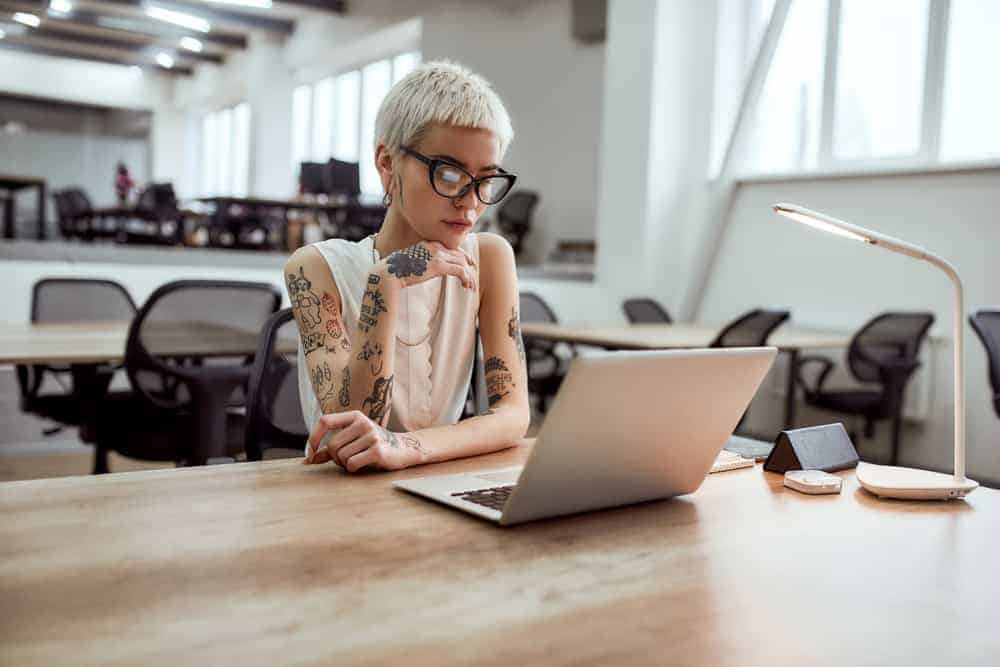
(304, 300)
(499, 379)
(377, 405)
(410, 261)
(345, 388)
(336, 337)
(514, 331)
(372, 353)
(372, 305)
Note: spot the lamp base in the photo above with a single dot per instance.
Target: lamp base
(911, 483)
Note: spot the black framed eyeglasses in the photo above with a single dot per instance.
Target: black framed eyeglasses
(453, 182)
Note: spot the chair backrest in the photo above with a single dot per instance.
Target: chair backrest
(79, 201)
(888, 337)
(515, 210)
(751, 329)
(274, 414)
(64, 207)
(189, 328)
(534, 309)
(80, 300)
(986, 324)
(645, 310)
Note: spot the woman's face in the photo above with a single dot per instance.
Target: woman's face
(431, 216)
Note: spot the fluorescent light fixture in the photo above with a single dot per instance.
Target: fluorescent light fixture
(2, 34)
(164, 60)
(27, 19)
(895, 481)
(191, 44)
(178, 18)
(60, 6)
(257, 4)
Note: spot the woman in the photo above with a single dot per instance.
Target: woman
(388, 324)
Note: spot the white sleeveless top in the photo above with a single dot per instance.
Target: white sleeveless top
(433, 371)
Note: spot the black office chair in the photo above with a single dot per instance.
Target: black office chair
(986, 324)
(514, 216)
(187, 386)
(546, 368)
(56, 300)
(156, 217)
(72, 223)
(646, 311)
(274, 414)
(751, 329)
(884, 352)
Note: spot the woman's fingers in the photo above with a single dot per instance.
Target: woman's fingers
(323, 426)
(361, 459)
(344, 454)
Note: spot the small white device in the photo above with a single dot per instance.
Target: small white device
(813, 482)
(625, 427)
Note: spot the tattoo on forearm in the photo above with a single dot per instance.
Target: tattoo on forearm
(410, 261)
(389, 437)
(499, 379)
(345, 388)
(372, 305)
(372, 353)
(336, 338)
(321, 376)
(305, 302)
(377, 405)
(312, 341)
(514, 331)
(408, 440)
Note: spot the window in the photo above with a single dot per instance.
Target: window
(225, 151)
(971, 96)
(335, 117)
(854, 81)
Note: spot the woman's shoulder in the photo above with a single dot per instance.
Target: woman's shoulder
(493, 246)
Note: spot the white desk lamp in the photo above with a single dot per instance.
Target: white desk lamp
(895, 481)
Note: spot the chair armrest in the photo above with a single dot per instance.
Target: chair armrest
(826, 365)
(897, 371)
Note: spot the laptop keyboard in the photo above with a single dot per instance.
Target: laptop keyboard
(494, 497)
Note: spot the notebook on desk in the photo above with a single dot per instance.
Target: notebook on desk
(625, 427)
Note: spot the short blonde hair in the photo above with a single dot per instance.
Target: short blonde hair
(440, 92)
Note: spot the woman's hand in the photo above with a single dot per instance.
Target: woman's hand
(429, 259)
(354, 442)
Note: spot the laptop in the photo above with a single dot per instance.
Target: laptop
(625, 427)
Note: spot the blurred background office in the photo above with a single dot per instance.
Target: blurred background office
(147, 142)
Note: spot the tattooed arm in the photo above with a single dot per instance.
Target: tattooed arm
(508, 416)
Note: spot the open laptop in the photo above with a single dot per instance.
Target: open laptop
(625, 427)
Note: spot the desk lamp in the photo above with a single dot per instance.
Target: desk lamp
(896, 481)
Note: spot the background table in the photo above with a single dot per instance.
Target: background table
(790, 341)
(12, 184)
(277, 562)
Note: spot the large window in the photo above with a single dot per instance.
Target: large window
(335, 117)
(861, 81)
(225, 152)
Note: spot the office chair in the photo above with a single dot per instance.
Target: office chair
(751, 329)
(546, 369)
(645, 311)
(184, 378)
(71, 300)
(986, 324)
(274, 414)
(156, 217)
(514, 216)
(883, 352)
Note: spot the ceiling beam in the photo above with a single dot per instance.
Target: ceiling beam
(212, 14)
(54, 30)
(142, 26)
(48, 51)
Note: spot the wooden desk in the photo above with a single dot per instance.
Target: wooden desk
(12, 184)
(789, 340)
(280, 563)
(104, 342)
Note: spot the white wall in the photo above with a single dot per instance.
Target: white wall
(834, 283)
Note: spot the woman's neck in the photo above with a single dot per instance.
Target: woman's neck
(395, 234)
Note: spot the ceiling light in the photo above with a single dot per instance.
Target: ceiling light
(27, 19)
(191, 44)
(2, 34)
(164, 60)
(258, 4)
(60, 6)
(178, 18)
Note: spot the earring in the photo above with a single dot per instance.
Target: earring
(387, 199)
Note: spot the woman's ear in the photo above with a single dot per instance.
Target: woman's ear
(384, 164)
